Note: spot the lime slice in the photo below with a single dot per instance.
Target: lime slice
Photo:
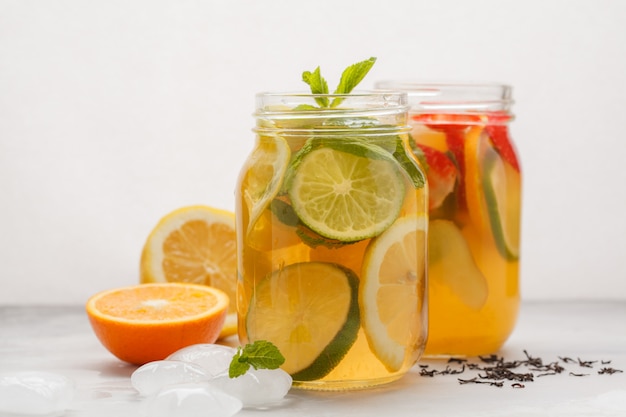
(347, 194)
(501, 185)
(450, 263)
(264, 175)
(493, 194)
(392, 290)
(310, 312)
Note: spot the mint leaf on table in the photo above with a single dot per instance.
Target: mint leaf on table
(260, 355)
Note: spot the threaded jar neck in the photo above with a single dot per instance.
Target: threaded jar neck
(454, 98)
(368, 110)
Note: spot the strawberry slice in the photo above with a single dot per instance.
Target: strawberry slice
(445, 122)
(442, 175)
(498, 132)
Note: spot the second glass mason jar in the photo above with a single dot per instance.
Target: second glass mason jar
(461, 134)
(332, 235)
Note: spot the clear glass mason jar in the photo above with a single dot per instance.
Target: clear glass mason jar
(331, 211)
(461, 135)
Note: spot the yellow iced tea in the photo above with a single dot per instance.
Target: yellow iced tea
(474, 234)
(331, 233)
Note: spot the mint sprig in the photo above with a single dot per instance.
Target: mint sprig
(260, 355)
(350, 78)
(318, 85)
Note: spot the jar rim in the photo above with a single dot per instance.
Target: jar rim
(453, 96)
(379, 92)
(357, 101)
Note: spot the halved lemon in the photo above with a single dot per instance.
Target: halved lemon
(347, 194)
(392, 289)
(194, 244)
(310, 312)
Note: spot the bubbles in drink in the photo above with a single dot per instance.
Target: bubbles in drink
(153, 376)
(187, 400)
(257, 386)
(214, 359)
(35, 393)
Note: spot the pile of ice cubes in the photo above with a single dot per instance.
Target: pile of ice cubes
(192, 381)
(195, 380)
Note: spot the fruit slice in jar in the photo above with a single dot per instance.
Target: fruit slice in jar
(498, 131)
(476, 144)
(264, 175)
(501, 185)
(347, 194)
(493, 194)
(442, 176)
(450, 261)
(310, 312)
(392, 287)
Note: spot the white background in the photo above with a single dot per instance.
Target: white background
(113, 113)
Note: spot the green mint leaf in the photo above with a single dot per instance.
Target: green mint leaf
(305, 107)
(260, 355)
(313, 240)
(318, 85)
(284, 212)
(417, 177)
(263, 355)
(351, 77)
(238, 365)
(418, 152)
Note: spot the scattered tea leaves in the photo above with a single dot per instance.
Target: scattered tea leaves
(494, 370)
(609, 371)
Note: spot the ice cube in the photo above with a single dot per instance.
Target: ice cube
(256, 387)
(191, 400)
(153, 376)
(215, 359)
(35, 393)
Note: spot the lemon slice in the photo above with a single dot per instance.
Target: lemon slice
(194, 244)
(263, 175)
(392, 287)
(348, 194)
(310, 312)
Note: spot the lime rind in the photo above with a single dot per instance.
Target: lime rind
(325, 359)
(335, 351)
(503, 214)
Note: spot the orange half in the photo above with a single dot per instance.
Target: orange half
(148, 322)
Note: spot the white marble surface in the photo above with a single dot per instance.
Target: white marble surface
(59, 339)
